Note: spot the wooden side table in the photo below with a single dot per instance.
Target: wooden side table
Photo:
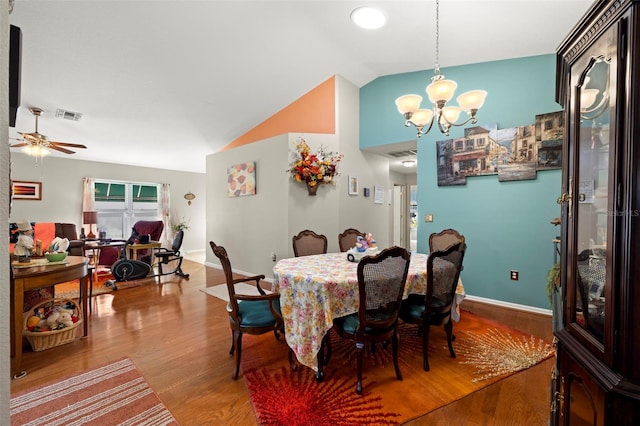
(151, 245)
(39, 276)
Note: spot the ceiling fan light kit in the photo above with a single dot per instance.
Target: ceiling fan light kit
(36, 144)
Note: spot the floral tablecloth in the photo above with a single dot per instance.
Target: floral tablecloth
(316, 289)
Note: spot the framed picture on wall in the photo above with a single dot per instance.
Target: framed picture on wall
(378, 194)
(241, 179)
(353, 185)
(26, 190)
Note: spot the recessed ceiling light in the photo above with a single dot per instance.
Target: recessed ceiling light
(409, 163)
(368, 17)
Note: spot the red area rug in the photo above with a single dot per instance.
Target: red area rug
(113, 394)
(486, 352)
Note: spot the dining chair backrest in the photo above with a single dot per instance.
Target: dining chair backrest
(441, 241)
(381, 281)
(443, 273)
(308, 242)
(348, 238)
(223, 257)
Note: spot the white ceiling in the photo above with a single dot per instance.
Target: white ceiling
(164, 83)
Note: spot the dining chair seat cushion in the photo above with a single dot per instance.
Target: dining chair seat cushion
(350, 324)
(257, 313)
(415, 308)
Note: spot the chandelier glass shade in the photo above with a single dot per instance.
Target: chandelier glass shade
(440, 92)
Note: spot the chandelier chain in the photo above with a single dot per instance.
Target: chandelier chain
(440, 92)
(437, 69)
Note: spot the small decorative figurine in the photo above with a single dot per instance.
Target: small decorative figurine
(24, 245)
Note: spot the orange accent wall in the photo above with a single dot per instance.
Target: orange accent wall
(314, 112)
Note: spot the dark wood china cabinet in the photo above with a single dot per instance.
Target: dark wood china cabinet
(598, 345)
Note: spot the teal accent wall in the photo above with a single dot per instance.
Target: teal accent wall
(506, 224)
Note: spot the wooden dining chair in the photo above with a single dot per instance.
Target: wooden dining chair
(434, 307)
(440, 241)
(348, 238)
(381, 281)
(308, 242)
(255, 315)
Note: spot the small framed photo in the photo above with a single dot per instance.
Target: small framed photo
(26, 190)
(378, 194)
(353, 185)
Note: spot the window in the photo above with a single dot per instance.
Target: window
(109, 192)
(468, 144)
(121, 204)
(480, 142)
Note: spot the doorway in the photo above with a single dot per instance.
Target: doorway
(405, 212)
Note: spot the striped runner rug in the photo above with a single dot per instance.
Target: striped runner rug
(113, 394)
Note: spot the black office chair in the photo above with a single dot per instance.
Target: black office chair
(165, 256)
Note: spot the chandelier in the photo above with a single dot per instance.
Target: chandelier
(440, 91)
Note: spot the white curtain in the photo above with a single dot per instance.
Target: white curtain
(88, 203)
(165, 207)
(88, 199)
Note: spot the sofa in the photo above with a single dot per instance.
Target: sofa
(45, 232)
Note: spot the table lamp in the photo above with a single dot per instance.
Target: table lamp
(90, 218)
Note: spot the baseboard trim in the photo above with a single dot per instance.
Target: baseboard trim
(194, 251)
(508, 305)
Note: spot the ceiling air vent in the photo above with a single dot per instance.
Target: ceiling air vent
(405, 153)
(68, 115)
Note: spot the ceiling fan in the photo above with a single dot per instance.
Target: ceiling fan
(36, 144)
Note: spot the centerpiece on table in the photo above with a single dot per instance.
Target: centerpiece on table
(365, 246)
(314, 169)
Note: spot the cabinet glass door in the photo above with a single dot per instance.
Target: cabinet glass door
(593, 112)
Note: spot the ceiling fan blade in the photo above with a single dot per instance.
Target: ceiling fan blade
(58, 148)
(72, 145)
(16, 145)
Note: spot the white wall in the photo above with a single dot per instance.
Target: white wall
(249, 227)
(5, 362)
(62, 191)
(253, 227)
(358, 211)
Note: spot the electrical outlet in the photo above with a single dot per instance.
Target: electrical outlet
(273, 257)
(428, 218)
(514, 275)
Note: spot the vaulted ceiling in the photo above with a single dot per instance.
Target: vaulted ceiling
(164, 83)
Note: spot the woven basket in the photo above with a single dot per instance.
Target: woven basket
(41, 340)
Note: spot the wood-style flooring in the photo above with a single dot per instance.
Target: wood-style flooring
(179, 339)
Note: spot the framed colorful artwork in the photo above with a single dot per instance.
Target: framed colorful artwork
(241, 180)
(26, 190)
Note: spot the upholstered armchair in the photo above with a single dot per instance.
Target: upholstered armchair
(68, 231)
(153, 228)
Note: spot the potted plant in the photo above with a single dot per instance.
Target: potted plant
(183, 225)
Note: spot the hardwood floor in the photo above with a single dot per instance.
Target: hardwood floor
(179, 339)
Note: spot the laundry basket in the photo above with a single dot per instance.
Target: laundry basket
(41, 340)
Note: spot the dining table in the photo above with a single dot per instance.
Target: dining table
(316, 289)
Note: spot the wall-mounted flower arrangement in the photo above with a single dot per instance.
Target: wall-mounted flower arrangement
(313, 169)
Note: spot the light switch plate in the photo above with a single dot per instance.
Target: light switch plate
(428, 218)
